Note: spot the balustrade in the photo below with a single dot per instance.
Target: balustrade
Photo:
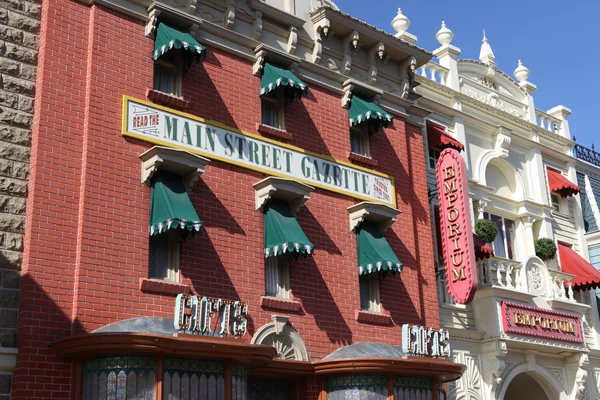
(547, 122)
(435, 72)
(560, 286)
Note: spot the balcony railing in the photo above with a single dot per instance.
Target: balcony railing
(586, 154)
(496, 272)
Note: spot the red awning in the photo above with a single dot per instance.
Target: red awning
(438, 137)
(482, 249)
(586, 276)
(560, 184)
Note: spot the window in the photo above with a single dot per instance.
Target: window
(164, 256)
(272, 108)
(277, 276)
(504, 243)
(369, 292)
(359, 140)
(434, 155)
(167, 73)
(438, 234)
(555, 198)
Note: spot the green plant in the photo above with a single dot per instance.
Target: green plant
(486, 230)
(545, 248)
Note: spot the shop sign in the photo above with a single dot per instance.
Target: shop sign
(533, 321)
(210, 317)
(421, 341)
(159, 125)
(456, 230)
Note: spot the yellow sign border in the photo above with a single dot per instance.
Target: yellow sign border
(126, 133)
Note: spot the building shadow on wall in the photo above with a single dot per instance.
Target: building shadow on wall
(212, 211)
(316, 233)
(300, 124)
(403, 309)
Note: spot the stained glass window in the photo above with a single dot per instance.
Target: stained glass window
(411, 388)
(191, 379)
(357, 387)
(119, 378)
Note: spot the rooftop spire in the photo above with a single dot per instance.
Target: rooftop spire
(486, 55)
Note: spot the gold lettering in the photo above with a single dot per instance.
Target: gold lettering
(451, 198)
(454, 230)
(454, 258)
(456, 245)
(450, 187)
(458, 274)
(453, 214)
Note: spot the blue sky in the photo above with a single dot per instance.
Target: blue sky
(558, 43)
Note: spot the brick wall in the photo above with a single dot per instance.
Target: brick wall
(86, 244)
(19, 35)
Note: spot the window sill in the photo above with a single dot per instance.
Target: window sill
(163, 287)
(166, 99)
(277, 303)
(369, 317)
(274, 132)
(360, 159)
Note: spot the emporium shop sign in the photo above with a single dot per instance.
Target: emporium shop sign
(421, 341)
(456, 230)
(534, 321)
(195, 315)
(152, 123)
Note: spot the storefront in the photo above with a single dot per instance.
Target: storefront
(223, 206)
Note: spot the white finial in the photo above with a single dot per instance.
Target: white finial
(444, 35)
(521, 72)
(486, 55)
(400, 23)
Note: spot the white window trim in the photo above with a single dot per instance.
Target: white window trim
(173, 259)
(436, 155)
(514, 238)
(176, 64)
(383, 215)
(294, 192)
(374, 293)
(275, 97)
(364, 140)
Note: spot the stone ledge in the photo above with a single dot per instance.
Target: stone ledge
(276, 303)
(360, 159)
(374, 318)
(163, 287)
(274, 132)
(166, 99)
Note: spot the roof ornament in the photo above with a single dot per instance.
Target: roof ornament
(400, 23)
(486, 55)
(521, 73)
(444, 35)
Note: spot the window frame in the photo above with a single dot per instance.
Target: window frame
(433, 155)
(173, 60)
(557, 205)
(364, 140)
(513, 236)
(279, 268)
(173, 248)
(374, 295)
(276, 99)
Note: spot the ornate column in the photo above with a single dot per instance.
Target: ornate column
(493, 366)
(529, 239)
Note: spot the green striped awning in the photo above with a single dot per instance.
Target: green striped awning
(170, 205)
(374, 252)
(282, 232)
(168, 38)
(273, 77)
(362, 110)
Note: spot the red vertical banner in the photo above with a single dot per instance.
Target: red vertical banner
(456, 227)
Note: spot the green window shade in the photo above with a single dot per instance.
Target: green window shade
(374, 252)
(274, 77)
(170, 205)
(282, 232)
(168, 38)
(365, 111)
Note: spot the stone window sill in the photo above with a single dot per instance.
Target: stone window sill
(374, 318)
(276, 303)
(274, 132)
(166, 99)
(163, 287)
(360, 159)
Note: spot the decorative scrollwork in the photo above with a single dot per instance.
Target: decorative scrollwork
(586, 154)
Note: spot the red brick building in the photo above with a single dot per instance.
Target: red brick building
(99, 291)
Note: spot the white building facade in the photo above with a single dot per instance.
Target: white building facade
(523, 175)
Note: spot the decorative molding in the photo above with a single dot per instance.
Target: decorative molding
(294, 192)
(409, 69)
(152, 23)
(376, 51)
(229, 15)
(257, 25)
(492, 99)
(281, 335)
(383, 215)
(576, 365)
(322, 28)
(559, 373)
(350, 44)
(277, 303)
(163, 287)
(275, 14)
(263, 53)
(181, 162)
(374, 318)
(292, 40)
(502, 142)
(352, 86)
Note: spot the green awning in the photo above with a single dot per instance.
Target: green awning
(362, 110)
(282, 232)
(374, 252)
(168, 38)
(170, 205)
(273, 77)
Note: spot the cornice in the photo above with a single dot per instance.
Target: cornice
(477, 62)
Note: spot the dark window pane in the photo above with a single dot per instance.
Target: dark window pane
(159, 256)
